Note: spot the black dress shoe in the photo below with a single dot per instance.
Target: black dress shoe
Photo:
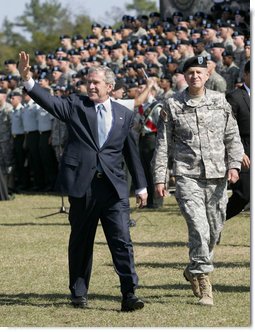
(79, 301)
(131, 303)
(132, 223)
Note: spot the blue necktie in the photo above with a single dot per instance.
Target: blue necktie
(101, 122)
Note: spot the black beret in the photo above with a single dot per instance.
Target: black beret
(217, 45)
(3, 91)
(181, 28)
(210, 57)
(9, 62)
(64, 37)
(195, 61)
(73, 51)
(63, 58)
(183, 42)
(77, 37)
(15, 93)
(228, 53)
(198, 41)
(237, 33)
(119, 83)
(177, 14)
(61, 49)
(107, 27)
(154, 14)
(56, 68)
(95, 25)
(39, 52)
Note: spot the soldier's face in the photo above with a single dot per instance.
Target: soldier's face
(196, 77)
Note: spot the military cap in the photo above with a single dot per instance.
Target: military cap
(141, 18)
(64, 36)
(178, 70)
(107, 27)
(181, 28)
(237, 33)
(240, 12)
(50, 56)
(60, 49)
(183, 42)
(139, 65)
(3, 91)
(77, 37)
(151, 49)
(139, 52)
(9, 62)
(197, 41)
(209, 25)
(56, 68)
(43, 75)
(170, 59)
(141, 81)
(152, 65)
(63, 58)
(210, 57)
(247, 43)
(91, 45)
(227, 9)
(12, 77)
(73, 51)
(119, 83)
(15, 94)
(154, 14)
(39, 52)
(228, 53)
(225, 24)
(195, 61)
(177, 14)
(116, 46)
(95, 25)
(217, 45)
(93, 58)
(199, 14)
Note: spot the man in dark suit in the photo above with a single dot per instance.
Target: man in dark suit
(239, 99)
(92, 175)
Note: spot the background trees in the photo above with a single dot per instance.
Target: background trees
(42, 22)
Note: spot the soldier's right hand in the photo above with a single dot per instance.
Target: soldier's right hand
(160, 190)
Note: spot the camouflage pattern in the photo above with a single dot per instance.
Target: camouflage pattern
(6, 140)
(216, 82)
(231, 74)
(204, 140)
(193, 195)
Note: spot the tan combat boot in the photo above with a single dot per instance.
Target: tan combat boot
(205, 290)
(194, 282)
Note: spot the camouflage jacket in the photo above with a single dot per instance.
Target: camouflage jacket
(203, 140)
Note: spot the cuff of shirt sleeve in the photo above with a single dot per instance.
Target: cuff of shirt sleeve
(141, 191)
(29, 84)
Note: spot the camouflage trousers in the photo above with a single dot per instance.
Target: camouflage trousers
(203, 205)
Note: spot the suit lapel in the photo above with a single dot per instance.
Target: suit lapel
(91, 115)
(246, 97)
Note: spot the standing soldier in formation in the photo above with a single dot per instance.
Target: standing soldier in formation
(198, 127)
(30, 123)
(18, 133)
(6, 142)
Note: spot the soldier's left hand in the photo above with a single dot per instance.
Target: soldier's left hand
(233, 175)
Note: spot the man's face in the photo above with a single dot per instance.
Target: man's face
(98, 90)
(196, 77)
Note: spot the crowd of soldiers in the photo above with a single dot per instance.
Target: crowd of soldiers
(142, 48)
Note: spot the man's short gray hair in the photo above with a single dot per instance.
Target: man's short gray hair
(108, 73)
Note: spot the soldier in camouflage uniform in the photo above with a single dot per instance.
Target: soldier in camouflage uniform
(6, 141)
(198, 128)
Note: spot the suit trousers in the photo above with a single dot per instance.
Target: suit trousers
(100, 202)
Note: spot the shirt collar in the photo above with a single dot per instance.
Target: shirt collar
(247, 89)
(106, 103)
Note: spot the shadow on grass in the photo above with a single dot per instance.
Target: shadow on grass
(186, 286)
(48, 300)
(35, 224)
(175, 265)
(152, 244)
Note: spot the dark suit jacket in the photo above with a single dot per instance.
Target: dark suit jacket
(240, 102)
(82, 153)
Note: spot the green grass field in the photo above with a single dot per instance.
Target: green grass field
(34, 274)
